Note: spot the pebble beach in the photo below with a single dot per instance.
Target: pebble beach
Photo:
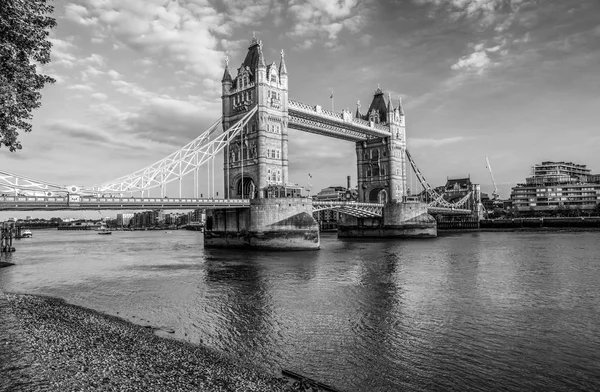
(50, 345)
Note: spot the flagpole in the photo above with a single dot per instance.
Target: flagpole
(332, 108)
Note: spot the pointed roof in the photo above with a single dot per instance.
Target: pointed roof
(261, 57)
(379, 105)
(390, 106)
(226, 75)
(357, 114)
(400, 108)
(282, 67)
(252, 59)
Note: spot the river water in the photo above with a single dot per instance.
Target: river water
(477, 311)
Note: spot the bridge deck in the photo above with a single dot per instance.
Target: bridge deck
(30, 203)
(314, 119)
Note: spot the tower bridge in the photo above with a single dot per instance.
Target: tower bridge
(260, 208)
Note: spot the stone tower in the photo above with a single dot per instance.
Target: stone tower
(381, 162)
(256, 162)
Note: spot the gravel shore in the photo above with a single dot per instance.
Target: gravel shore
(47, 344)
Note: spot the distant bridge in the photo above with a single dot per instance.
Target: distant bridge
(76, 202)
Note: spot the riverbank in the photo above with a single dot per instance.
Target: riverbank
(5, 264)
(52, 345)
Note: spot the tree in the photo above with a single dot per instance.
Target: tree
(24, 29)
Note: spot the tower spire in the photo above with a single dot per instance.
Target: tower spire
(400, 108)
(357, 114)
(261, 57)
(282, 67)
(226, 75)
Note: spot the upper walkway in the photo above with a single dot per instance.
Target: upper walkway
(344, 125)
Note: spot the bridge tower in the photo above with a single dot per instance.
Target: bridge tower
(256, 162)
(381, 162)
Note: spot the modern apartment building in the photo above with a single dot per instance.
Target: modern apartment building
(556, 185)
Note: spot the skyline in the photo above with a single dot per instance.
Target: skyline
(477, 78)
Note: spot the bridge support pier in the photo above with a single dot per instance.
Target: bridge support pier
(271, 224)
(399, 220)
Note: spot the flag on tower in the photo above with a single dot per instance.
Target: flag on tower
(331, 96)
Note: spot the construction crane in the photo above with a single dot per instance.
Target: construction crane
(495, 192)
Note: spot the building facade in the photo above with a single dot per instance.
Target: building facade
(258, 157)
(557, 185)
(381, 161)
(328, 219)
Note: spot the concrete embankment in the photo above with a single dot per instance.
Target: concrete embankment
(541, 224)
(48, 344)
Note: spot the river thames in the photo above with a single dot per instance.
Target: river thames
(477, 311)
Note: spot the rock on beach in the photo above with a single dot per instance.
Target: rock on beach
(63, 347)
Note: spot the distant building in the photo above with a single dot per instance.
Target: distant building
(124, 219)
(328, 219)
(556, 185)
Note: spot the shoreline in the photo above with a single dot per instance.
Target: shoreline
(61, 346)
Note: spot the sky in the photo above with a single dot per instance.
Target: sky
(517, 81)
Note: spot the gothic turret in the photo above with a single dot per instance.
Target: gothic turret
(282, 67)
(357, 114)
(261, 69)
(226, 82)
(390, 110)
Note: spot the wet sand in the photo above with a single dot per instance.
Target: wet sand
(47, 344)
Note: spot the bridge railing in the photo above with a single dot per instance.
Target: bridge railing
(344, 203)
(319, 111)
(88, 202)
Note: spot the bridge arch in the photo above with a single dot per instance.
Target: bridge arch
(245, 189)
(378, 195)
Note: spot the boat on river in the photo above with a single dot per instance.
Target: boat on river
(104, 230)
(26, 233)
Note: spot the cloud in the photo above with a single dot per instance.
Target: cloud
(62, 52)
(80, 87)
(180, 32)
(79, 14)
(315, 20)
(476, 61)
(421, 142)
(89, 134)
(99, 96)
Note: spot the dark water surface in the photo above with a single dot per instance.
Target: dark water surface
(483, 311)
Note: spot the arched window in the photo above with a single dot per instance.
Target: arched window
(375, 154)
(273, 78)
(368, 172)
(273, 176)
(268, 175)
(383, 170)
(278, 175)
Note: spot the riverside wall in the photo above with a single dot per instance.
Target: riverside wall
(274, 224)
(549, 223)
(399, 220)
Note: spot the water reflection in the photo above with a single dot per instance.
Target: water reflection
(483, 311)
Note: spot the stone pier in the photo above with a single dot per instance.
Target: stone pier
(399, 220)
(273, 224)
